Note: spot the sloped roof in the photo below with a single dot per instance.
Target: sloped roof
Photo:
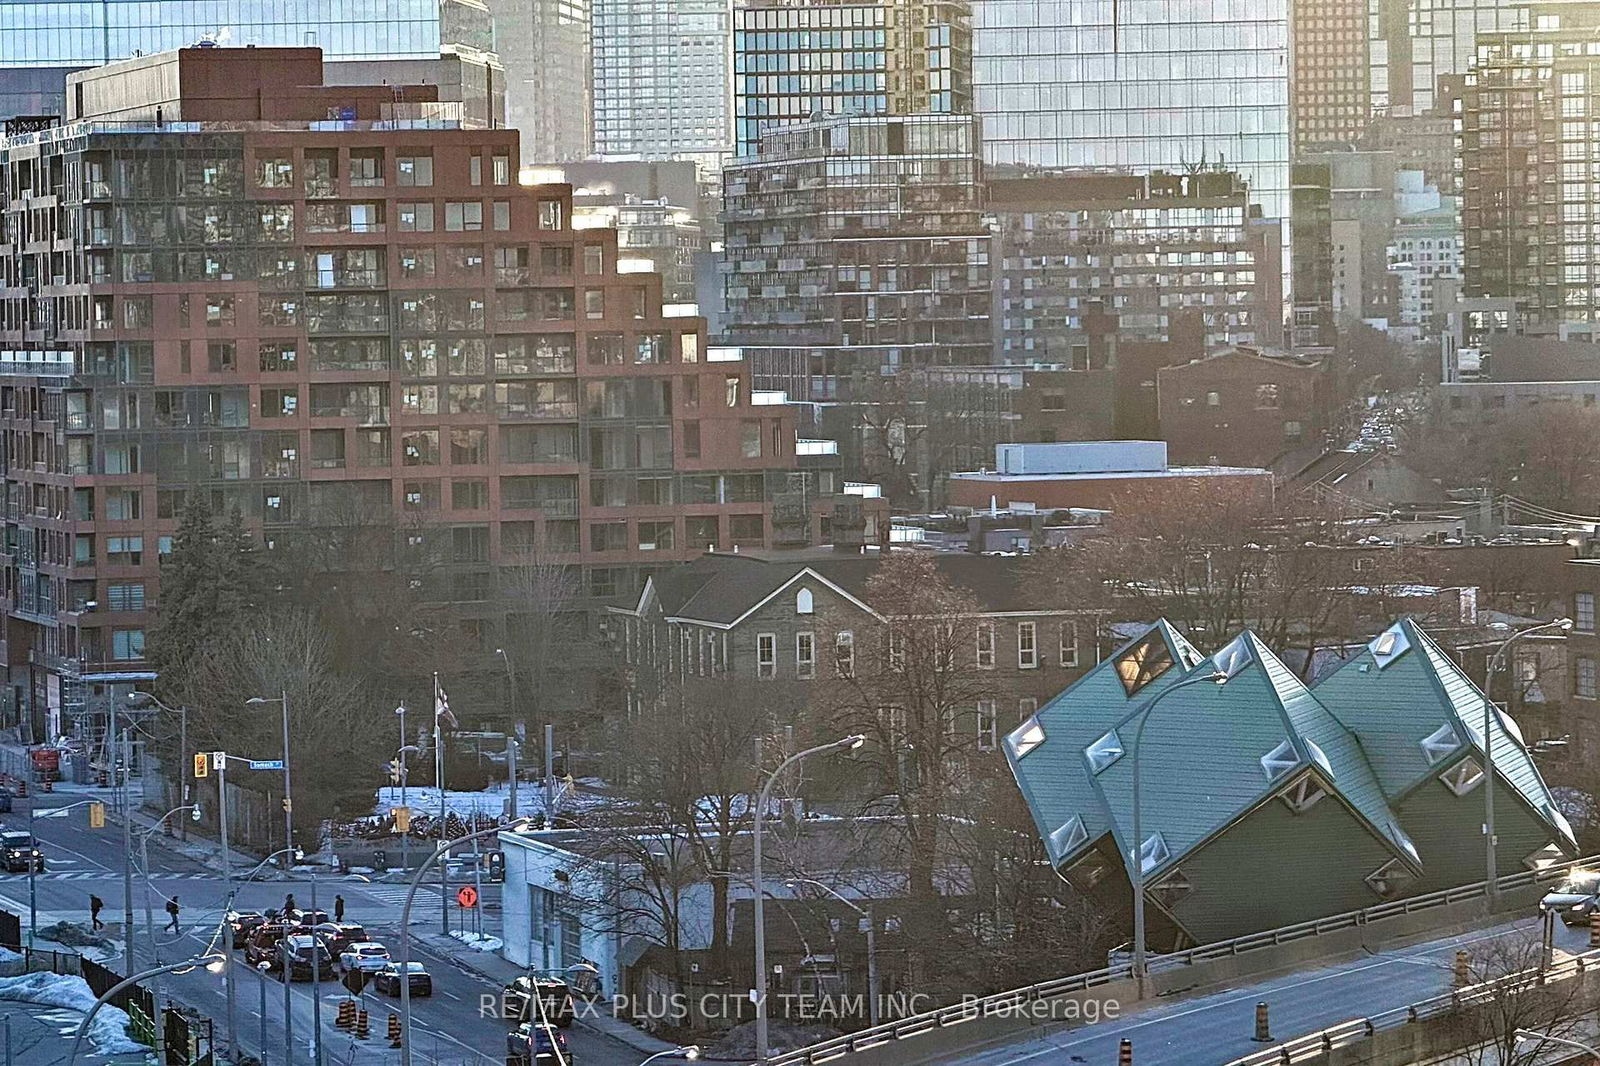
(721, 587)
(1046, 751)
(1212, 753)
(1417, 711)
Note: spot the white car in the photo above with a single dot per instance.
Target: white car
(367, 956)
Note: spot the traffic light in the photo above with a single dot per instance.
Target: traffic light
(97, 816)
(395, 771)
(202, 764)
(402, 819)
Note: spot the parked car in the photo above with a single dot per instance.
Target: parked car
(340, 935)
(242, 923)
(537, 1044)
(19, 853)
(386, 981)
(369, 957)
(556, 998)
(300, 955)
(1576, 898)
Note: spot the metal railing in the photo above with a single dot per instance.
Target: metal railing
(1323, 1041)
(1003, 1003)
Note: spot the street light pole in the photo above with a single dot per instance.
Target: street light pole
(872, 941)
(33, 865)
(1136, 845)
(405, 838)
(845, 744)
(288, 794)
(150, 927)
(1491, 872)
(83, 1026)
(1532, 1034)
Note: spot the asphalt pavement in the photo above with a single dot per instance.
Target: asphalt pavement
(454, 1027)
(1217, 1028)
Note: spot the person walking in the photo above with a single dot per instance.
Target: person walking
(172, 911)
(288, 905)
(338, 909)
(96, 904)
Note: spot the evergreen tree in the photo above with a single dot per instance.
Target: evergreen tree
(238, 571)
(188, 596)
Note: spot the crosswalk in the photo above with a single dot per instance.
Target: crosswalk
(396, 896)
(103, 875)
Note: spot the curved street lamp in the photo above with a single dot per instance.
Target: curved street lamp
(872, 940)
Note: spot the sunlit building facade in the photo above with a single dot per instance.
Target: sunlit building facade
(661, 80)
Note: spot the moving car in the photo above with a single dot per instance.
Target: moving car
(301, 954)
(242, 923)
(1576, 898)
(386, 981)
(302, 916)
(368, 956)
(554, 995)
(262, 946)
(537, 1044)
(340, 935)
(19, 853)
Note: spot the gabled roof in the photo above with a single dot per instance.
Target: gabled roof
(1046, 751)
(1417, 712)
(721, 588)
(1212, 753)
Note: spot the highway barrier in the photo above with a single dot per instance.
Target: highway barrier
(1311, 1046)
(1005, 1013)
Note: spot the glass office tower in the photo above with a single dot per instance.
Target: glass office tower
(41, 41)
(1138, 86)
(661, 80)
(1414, 43)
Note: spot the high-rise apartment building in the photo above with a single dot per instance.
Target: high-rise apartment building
(855, 247)
(301, 318)
(796, 61)
(1140, 86)
(1414, 44)
(40, 43)
(1530, 167)
(1144, 248)
(1331, 91)
(545, 50)
(661, 80)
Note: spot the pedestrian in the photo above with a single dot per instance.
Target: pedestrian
(172, 910)
(95, 906)
(338, 908)
(288, 905)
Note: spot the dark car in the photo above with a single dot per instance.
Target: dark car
(302, 954)
(242, 923)
(340, 935)
(308, 917)
(1576, 899)
(19, 853)
(386, 982)
(537, 1044)
(553, 993)
(262, 945)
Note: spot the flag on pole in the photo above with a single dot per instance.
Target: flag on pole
(441, 708)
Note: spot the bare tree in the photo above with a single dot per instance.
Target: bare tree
(553, 666)
(1507, 996)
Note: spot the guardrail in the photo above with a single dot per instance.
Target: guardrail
(1320, 1043)
(1002, 1003)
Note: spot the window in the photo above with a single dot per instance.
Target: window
(1463, 777)
(690, 435)
(460, 216)
(1583, 685)
(1069, 644)
(220, 357)
(594, 303)
(415, 170)
(551, 215)
(844, 653)
(750, 439)
(1293, 431)
(985, 657)
(366, 167)
(1143, 663)
(1388, 879)
(125, 596)
(594, 259)
(1027, 645)
(219, 310)
(274, 172)
(1266, 397)
(766, 656)
(987, 739)
(805, 656)
(416, 216)
(475, 170)
(469, 494)
(689, 347)
(127, 644)
(502, 169)
(124, 551)
(1213, 399)
(500, 215)
(804, 602)
(730, 388)
(655, 536)
(1105, 751)
(1583, 612)
(1026, 706)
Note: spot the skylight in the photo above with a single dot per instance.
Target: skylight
(1280, 760)
(1233, 658)
(1143, 663)
(1105, 751)
(1025, 738)
(1067, 839)
(1153, 853)
(1440, 744)
(1389, 646)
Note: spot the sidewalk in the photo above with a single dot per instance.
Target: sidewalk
(501, 972)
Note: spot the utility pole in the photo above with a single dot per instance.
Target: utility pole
(549, 776)
(183, 753)
(438, 779)
(227, 880)
(511, 769)
(405, 838)
(127, 839)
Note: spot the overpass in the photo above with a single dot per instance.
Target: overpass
(1350, 975)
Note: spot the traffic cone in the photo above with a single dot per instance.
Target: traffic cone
(1263, 1030)
(362, 1031)
(1125, 1053)
(1594, 930)
(47, 785)
(1463, 969)
(347, 1014)
(22, 787)
(394, 1030)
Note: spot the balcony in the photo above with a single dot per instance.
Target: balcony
(563, 410)
(363, 414)
(280, 468)
(512, 276)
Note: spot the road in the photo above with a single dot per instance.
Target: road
(449, 1028)
(1217, 1028)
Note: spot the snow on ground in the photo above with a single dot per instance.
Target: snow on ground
(108, 1034)
(477, 941)
(493, 801)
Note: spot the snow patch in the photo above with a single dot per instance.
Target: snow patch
(108, 1033)
(478, 941)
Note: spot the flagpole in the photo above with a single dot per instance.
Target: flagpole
(439, 705)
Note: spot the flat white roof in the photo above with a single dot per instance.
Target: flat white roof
(1117, 475)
